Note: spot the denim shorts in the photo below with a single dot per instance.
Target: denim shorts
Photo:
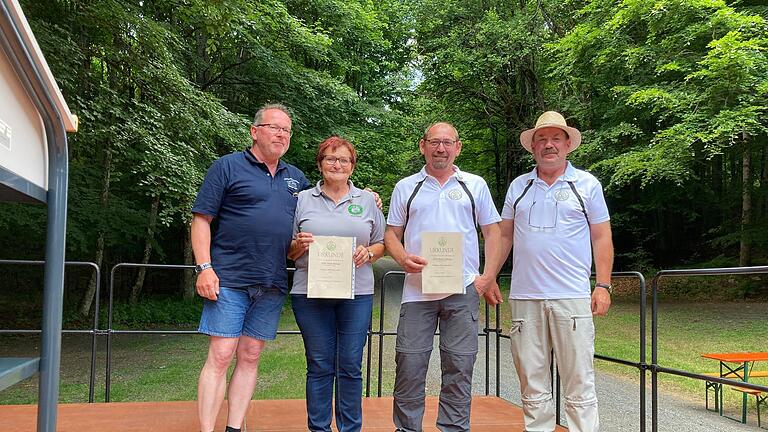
(252, 311)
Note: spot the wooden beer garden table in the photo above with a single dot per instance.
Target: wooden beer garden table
(743, 362)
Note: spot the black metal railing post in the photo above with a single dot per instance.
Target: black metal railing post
(486, 330)
(94, 331)
(110, 329)
(382, 331)
(498, 350)
(643, 360)
(654, 355)
(368, 359)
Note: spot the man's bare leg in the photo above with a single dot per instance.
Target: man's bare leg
(243, 379)
(213, 380)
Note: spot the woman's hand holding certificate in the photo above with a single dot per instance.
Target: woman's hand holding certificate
(331, 270)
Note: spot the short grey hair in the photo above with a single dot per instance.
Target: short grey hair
(455, 132)
(257, 119)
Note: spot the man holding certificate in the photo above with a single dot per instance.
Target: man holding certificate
(338, 233)
(436, 212)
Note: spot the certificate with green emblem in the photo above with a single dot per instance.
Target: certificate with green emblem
(331, 272)
(444, 272)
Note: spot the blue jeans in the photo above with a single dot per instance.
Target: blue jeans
(252, 311)
(334, 333)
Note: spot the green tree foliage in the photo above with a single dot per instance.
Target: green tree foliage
(480, 62)
(670, 96)
(673, 95)
(162, 88)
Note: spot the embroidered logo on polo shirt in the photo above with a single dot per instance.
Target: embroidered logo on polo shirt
(455, 194)
(562, 195)
(355, 210)
(291, 183)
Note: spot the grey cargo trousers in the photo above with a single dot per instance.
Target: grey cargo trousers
(456, 316)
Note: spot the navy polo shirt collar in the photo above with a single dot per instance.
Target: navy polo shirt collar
(252, 159)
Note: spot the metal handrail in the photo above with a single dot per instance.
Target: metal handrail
(94, 332)
(111, 330)
(642, 365)
(654, 366)
(485, 332)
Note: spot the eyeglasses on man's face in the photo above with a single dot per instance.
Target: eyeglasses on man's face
(330, 160)
(435, 143)
(275, 129)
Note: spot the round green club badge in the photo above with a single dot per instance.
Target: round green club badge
(355, 210)
(331, 246)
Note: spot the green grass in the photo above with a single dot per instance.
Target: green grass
(685, 331)
(154, 367)
(165, 367)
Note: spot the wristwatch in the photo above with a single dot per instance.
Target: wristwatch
(608, 287)
(370, 254)
(204, 266)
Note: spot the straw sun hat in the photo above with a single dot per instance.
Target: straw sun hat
(551, 119)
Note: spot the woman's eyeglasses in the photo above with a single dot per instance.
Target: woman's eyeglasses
(330, 160)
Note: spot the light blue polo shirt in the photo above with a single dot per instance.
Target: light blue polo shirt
(356, 215)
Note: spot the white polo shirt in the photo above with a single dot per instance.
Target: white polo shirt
(552, 248)
(437, 208)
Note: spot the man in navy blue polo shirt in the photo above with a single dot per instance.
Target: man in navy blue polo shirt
(241, 230)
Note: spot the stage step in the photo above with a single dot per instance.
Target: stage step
(15, 369)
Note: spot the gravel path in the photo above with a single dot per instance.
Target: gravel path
(618, 396)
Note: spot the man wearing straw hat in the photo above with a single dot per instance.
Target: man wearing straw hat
(556, 216)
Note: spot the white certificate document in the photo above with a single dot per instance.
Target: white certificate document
(331, 272)
(444, 272)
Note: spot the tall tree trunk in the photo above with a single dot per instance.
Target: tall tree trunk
(716, 179)
(764, 181)
(139, 284)
(497, 155)
(106, 175)
(188, 282)
(202, 73)
(745, 244)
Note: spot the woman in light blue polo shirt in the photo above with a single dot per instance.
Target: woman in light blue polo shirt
(335, 330)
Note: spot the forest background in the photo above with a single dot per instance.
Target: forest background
(670, 95)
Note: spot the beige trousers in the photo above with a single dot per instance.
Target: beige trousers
(565, 328)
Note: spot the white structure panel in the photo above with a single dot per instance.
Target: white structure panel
(24, 150)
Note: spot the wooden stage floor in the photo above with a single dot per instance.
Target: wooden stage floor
(489, 414)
